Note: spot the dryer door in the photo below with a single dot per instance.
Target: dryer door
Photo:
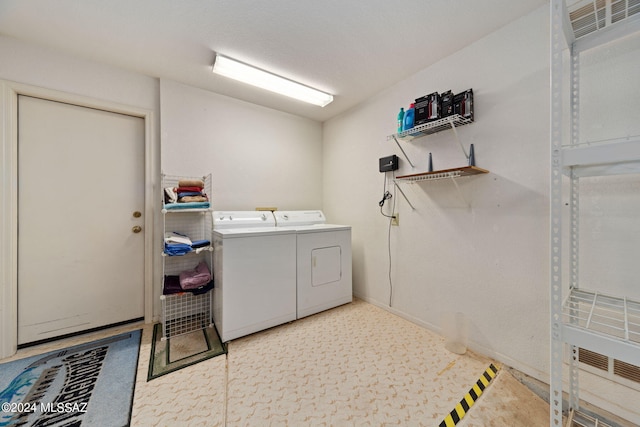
(326, 265)
(323, 270)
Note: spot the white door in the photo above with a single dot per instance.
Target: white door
(80, 203)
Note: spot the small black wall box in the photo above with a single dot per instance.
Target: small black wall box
(389, 163)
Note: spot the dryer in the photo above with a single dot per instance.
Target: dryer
(323, 260)
(254, 268)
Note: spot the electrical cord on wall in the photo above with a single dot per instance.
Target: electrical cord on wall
(386, 195)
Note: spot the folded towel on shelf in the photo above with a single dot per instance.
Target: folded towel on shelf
(174, 237)
(172, 286)
(191, 279)
(190, 199)
(176, 249)
(191, 183)
(170, 195)
(200, 244)
(187, 205)
(184, 189)
(189, 193)
(201, 289)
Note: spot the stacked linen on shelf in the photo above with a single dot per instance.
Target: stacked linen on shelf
(189, 194)
(196, 281)
(179, 244)
(176, 243)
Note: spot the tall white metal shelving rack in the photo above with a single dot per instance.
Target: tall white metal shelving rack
(186, 312)
(584, 318)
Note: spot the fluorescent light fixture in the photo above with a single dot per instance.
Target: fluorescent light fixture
(236, 70)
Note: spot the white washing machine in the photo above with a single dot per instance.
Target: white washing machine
(254, 267)
(323, 260)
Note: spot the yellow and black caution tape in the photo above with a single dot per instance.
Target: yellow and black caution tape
(470, 398)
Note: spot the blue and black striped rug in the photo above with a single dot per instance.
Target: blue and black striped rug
(87, 384)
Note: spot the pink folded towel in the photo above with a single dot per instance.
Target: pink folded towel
(192, 279)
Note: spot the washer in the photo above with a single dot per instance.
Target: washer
(323, 260)
(254, 267)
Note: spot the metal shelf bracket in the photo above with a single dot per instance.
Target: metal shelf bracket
(455, 133)
(404, 195)
(403, 153)
(460, 192)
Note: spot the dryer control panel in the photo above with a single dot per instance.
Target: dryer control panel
(297, 218)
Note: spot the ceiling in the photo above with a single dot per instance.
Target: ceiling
(350, 48)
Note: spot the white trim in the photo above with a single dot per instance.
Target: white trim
(8, 225)
(9, 194)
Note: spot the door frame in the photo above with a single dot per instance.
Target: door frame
(9, 92)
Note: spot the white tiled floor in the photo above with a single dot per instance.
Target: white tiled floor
(352, 365)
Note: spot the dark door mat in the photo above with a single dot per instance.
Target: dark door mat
(181, 351)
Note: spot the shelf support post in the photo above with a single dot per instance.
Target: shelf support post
(626, 320)
(403, 153)
(574, 221)
(557, 38)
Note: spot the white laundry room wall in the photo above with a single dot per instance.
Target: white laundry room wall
(27, 63)
(39, 66)
(479, 245)
(258, 157)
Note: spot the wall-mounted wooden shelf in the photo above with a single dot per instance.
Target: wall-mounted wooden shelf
(439, 174)
(442, 174)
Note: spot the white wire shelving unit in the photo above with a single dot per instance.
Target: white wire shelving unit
(446, 123)
(184, 312)
(613, 322)
(588, 319)
(451, 122)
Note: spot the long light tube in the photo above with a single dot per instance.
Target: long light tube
(236, 70)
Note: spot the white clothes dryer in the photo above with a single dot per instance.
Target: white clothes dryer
(254, 268)
(323, 261)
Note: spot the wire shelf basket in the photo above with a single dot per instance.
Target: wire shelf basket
(603, 314)
(185, 312)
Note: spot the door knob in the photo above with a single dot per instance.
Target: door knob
(136, 229)
(137, 214)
